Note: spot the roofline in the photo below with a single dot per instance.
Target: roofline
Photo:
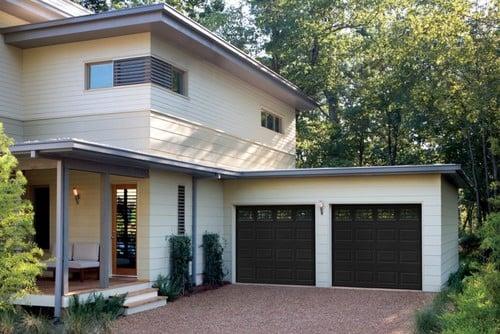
(142, 18)
(47, 147)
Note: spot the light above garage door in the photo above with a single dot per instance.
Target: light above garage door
(377, 246)
(275, 245)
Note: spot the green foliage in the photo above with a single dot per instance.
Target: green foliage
(491, 238)
(428, 320)
(477, 308)
(19, 257)
(17, 320)
(167, 287)
(94, 315)
(180, 255)
(213, 273)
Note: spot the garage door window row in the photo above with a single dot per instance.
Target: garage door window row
(373, 214)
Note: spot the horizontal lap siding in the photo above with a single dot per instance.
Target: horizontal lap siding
(187, 141)
(219, 100)
(54, 79)
(10, 72)
(127, 130)
(422, 189)
(13, 128)
(449, 230)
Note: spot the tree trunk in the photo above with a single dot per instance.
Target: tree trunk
(474, 180)
(332, 101)
(486, 172)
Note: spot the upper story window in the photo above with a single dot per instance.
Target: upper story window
(271, 121)
(132, 71)
(100, 75)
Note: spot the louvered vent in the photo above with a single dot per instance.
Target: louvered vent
(161, 73)
(132, 71)
(181, 210)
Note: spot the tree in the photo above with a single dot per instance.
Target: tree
(19, 256)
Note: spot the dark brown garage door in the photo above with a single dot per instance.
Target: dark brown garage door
(275, 244)
(377, 246)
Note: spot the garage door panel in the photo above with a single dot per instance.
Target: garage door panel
(277, 242)
(385, 251)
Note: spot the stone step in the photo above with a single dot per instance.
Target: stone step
(139, 295)
(145, 305)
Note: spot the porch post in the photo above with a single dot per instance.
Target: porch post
(62, 245)
(105, 250)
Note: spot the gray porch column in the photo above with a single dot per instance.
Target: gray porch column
(194, 234)
(105, 250)
(62, 244)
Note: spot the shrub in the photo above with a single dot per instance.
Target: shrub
(476, 309)
(167, 287)
(428, 320)
(469, 243)
(18, 320)
(491, 237)
(180, 255)
(213, 273)
(94, 315)
(19, 257)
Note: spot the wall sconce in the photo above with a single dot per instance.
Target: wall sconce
(321, 207)
(76, 194)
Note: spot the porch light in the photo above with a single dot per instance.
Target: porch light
(76, 194)
(321, 207)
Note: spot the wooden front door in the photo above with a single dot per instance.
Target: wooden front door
(124, 232)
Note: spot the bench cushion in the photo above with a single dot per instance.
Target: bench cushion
(85, 251)
(83, 264)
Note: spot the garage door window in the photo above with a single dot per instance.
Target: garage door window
(264, 215)
(364, 214)
(342, 215)
(386, 214)
(245, 215)
(284, 215)
(409, 214)
(304, 214)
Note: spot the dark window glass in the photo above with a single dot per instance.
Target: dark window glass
(264, 214)
(245, 214)
(178, 81)
(100, 75)
(270, 121)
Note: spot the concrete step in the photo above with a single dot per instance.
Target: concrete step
(144, 294)
(145, 305)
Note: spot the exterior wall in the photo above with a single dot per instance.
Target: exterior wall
(163, 217)
(219, 101)
(449, 230)
(10, 73)
(184, 140)
(53, 81)
(13, 128)
(127, 130)
(418, 189)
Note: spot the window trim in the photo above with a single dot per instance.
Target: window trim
(275, 117)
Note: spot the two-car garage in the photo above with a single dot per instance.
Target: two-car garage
(393, 227)
(377, 246)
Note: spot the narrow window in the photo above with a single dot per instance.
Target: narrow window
(181, 212)
(100, 75)
(178, 81)
(271, 122)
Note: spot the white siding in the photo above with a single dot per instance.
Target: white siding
(421, 189)
(449, 230)
(188, 141)
(10, 72)
(163, 217)
(218, 100)
(54, 79)
(127, 130)
(210, 211)
(13, 128)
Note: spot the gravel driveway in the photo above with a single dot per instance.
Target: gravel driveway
(278, 309)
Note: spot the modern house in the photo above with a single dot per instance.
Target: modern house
(138, 124)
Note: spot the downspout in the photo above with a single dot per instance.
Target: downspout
(194, 184)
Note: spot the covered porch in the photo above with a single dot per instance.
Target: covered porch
(93, 194)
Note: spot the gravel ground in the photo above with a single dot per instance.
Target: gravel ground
(279, 309)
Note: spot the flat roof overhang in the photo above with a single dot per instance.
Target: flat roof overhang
(77, 150)
(91, 156)
(166, 22)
